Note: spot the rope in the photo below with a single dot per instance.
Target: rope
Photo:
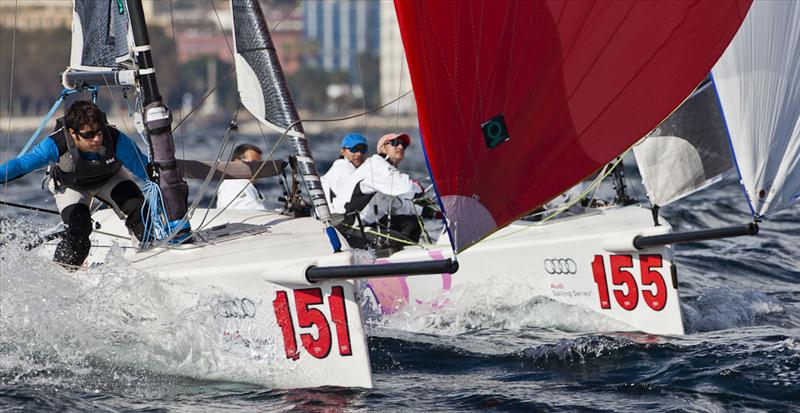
(562, 208)
(154, 217)
(369, 230)
(64, 93)
(32, 208)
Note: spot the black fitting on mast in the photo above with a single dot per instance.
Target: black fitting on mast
(144, 57)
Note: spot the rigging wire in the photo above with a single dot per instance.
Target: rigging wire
(205, 97)
(11, 88)
(219, 21)
(285, 16)
(175, 51)
(605, 172)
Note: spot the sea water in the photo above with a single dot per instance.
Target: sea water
(112, 339)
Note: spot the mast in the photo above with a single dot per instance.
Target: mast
(158, 126)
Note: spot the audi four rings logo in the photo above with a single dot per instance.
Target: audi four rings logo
(560, 266)
(237, 308)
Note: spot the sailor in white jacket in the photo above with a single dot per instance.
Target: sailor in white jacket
(381, 193)
(241, 193)
(353, 152)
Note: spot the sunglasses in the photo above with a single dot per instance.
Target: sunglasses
(396, 142)
(359, 148)
(89, 134)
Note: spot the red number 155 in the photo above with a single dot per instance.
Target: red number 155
(622, 276)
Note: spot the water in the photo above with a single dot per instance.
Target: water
(122, 345)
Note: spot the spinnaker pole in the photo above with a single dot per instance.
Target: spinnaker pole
(158, 127)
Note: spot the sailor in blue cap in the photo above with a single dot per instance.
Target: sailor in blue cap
(354, 150)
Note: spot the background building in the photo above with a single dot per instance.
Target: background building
(394, 76)
(340, 31)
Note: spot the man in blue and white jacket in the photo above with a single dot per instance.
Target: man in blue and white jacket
(86, 156)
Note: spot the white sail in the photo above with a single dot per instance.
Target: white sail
(687, 152)
(264, 92)
(758, 82)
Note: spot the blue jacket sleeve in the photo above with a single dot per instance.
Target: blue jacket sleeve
(131, 156)
(40, 155)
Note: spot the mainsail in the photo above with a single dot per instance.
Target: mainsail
(264, 92)
(688, 151)
(99, 34)
(758, 81)
(520, 100)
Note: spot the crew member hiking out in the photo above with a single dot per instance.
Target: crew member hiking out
(86, 156)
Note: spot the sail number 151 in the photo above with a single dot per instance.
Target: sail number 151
(623, 282)
(307, 302)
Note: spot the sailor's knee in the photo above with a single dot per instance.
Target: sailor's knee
(128, 197)
(77, 220)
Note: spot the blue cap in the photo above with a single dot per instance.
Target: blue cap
(352, 139)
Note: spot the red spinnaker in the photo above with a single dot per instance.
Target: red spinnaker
(574, 82)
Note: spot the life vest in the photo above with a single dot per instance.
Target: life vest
(74, 171)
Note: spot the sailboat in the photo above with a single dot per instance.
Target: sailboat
(742, 119)
(543, 98)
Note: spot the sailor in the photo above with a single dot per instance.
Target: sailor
(86, 156)
(354, 150)
(241, 193)
(381, 195)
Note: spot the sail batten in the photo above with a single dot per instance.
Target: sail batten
(510, 124)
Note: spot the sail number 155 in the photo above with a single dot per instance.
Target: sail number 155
(623, 282)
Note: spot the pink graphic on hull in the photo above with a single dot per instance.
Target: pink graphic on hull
(393, 293)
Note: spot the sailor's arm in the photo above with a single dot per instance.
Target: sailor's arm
(392, 182)
(131, 156)
(39, 156)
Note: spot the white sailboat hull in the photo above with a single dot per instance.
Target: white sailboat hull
(586, 261)
(248, 269)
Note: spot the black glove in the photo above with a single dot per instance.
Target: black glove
(428, 212)
(428, 207)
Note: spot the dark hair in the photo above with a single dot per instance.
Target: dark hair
(239, 151)
(83, 113)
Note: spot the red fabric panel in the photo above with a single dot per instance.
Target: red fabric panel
(578, 82)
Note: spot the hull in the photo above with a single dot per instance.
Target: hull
(587, 262)
(246, 269)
